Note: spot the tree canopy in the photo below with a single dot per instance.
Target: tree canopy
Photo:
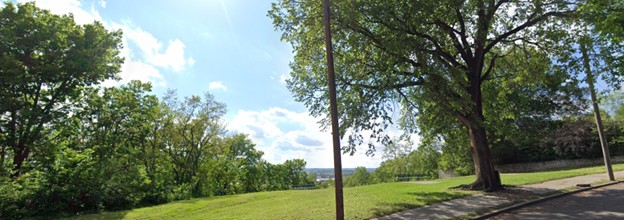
(432, 61)
(46, 61)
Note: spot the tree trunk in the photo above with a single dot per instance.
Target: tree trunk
(2, 159)
(21, 153)
(487, 177)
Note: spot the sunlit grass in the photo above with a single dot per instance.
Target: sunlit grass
(538, 177)
(360, 202)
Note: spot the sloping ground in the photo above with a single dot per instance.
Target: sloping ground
(363, 202)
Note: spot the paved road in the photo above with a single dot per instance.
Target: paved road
(549, 186)
(602, 203)
(462, 206)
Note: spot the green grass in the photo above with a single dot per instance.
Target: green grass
(362, 202)
(538, 177)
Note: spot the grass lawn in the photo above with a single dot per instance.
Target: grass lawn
(538, 177)
(362, 202)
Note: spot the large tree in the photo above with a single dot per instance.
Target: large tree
(192, 132)
(431, 57)
(45, 61)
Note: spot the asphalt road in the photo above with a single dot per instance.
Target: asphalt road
(602, 203)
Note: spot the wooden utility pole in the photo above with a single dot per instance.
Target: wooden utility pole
(331, 81)
(592, 92)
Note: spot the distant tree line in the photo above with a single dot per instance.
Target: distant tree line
(67, 145)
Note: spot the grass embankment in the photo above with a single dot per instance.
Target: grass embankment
(360, 202)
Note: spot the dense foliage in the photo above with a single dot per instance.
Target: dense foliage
(123, 147)
(70, 146)
(47, 60)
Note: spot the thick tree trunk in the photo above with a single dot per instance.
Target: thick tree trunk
(487, 177)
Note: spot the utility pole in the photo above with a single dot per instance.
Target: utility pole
(331, 81)
(592, 91)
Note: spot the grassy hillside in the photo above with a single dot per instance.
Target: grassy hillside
(360, 202)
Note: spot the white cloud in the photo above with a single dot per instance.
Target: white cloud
(81, 16)
(136, 70)
(282, 134)
(139, 65)
(144, 40)
(217, 85)
(172, 57)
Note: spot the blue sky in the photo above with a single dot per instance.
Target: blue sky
(226, 47)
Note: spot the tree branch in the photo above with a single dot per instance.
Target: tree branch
(452, 33)
(406, 98)
(492, 9)
(394, 86)
(462, 32)
(489, 70)
(439, 51)
(526, 24)
(377, 43)
(534, 43)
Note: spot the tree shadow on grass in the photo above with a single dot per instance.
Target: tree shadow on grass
(423, 198)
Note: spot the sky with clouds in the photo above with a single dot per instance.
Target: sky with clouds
(226, 47)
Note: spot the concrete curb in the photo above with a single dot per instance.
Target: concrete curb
(521, 205)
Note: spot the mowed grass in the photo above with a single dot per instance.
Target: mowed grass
(538, 177)
(362, 202)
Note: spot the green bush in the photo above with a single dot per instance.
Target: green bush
(182, 191)
(19, 198)
(360, 177)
